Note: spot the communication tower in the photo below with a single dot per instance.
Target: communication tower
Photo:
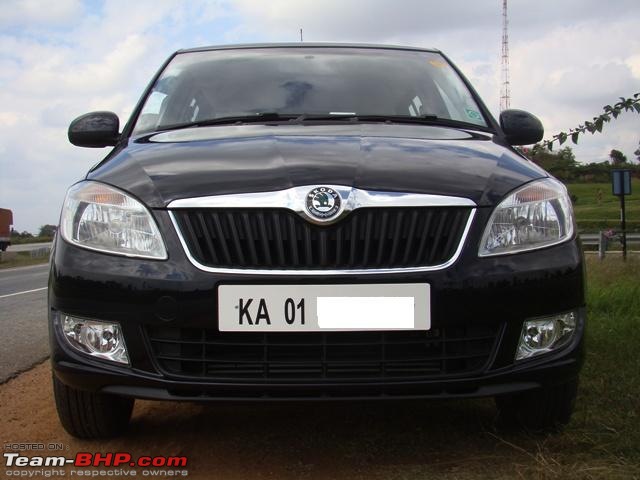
(505, 93)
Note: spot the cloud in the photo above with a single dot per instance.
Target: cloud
(568, 74)
(49, 76)
(633, 62)
(61, 59)
(32, 13)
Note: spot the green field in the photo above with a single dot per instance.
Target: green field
(602, 441)
(607, 421)
(593, 216)
(38, 239)
(22, 259)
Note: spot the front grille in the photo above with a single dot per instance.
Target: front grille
(368, 238)
(208, 354)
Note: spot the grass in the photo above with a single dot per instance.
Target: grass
(23, 259)
(608, 415)
(592, 215)
(20, 241)
(603, 439)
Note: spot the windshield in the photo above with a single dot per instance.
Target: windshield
(207, 85)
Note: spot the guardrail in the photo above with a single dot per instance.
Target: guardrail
(592, 239)
(40, 252)
(603, 239)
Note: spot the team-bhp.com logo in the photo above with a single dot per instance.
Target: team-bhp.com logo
(85, 459)
(323, 203)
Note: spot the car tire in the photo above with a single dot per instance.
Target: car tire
(91, 415)
(547, 409)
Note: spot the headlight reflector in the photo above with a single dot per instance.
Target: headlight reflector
(542, 335)
(536, 215)
(99, 217)
(96, 338)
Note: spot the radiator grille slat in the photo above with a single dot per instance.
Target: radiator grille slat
(367, 238)
(218, 234)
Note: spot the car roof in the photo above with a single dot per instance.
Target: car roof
(305, 45)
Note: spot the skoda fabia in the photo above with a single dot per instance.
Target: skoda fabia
(313, 222)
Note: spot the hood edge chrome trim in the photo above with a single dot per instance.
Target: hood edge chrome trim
(294, 199)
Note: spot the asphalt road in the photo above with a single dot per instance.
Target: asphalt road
(23, 318)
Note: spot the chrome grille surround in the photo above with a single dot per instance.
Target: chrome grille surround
(293, 199)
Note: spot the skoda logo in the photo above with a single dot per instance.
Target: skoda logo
(323, 202)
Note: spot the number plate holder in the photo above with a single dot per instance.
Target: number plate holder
(351, 307)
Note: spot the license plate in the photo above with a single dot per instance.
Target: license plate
(322, 308)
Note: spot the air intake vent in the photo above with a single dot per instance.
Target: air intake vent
(209, 354)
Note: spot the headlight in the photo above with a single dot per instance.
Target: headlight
(102, 218)
(534, 216)
(98, 339)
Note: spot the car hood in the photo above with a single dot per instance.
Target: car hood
(220, 160)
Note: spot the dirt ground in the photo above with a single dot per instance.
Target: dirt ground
(303, 441)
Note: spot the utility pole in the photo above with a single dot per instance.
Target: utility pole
(301, 35)
(505, 93)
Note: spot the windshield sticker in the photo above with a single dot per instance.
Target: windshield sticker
(473, 114)
(438, 63)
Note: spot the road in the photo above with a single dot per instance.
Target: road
(23, 318)
(26, 247)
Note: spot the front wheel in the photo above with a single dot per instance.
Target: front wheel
(545, 409)
(89, 414)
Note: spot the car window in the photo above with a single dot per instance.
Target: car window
(221, 83)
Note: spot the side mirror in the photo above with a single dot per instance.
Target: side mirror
(520, 127)
(95, 130)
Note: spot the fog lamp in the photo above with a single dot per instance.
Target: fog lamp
(96, 338)
(545, 334)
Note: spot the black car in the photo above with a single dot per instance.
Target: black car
(314, 222)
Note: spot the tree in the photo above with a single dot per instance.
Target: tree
(617, 157)
(637, 153)
(47, 231)
(24, 234)
(561, 163)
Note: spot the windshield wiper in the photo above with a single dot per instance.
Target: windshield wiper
(354, 117)
(399, 118)
(337, 117)
(237, 119)
(389, 119)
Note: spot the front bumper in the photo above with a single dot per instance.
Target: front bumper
(142, 294)
(139, 384)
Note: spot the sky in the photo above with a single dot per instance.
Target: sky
(62, 58)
